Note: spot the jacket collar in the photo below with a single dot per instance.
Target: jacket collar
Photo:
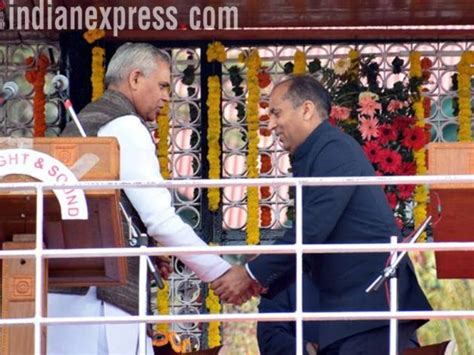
(314, 136)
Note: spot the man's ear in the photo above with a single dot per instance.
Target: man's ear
(308, 110)
(134, 78)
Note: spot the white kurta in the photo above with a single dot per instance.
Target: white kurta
(137, 162)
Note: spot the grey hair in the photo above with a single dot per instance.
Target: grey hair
(132, 56)
(303, 88)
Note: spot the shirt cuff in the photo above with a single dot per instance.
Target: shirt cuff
(250, 272)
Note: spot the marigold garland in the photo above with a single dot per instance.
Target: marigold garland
(465, 72)
(300, 63)
(98, 72)
(213, 138)
(36, 76)
(97, 65)
(162, 133)
(163, 307)
(215, 52)
(253, 65)
(421, 191)
(214, 307)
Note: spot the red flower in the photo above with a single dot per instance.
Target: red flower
(407, 168)
(372, 150)
(264, 118)
(402, 122)
(392, 199)
(263, 104)
(390, 161)
(332, 121)
(426, 63)
(387, 134)
(405, 192)
(414, 138)
(264, 79)
(399, 222)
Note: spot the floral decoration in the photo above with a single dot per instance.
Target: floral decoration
(418, 74)
(465, 72)
(253, 66)
(36, 76)
(163, 306)
(215, 52)
(381, 119)
(97, 65)
(162, 134)
(300, 63)
(214, 307)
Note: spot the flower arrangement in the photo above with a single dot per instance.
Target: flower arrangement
(163, 307)
(162, 134)
(381, 119)
(421, 191)
(97, 65)
(36, 76)
(465, 72)
(215, 52)
(253, 63)
(214, 307)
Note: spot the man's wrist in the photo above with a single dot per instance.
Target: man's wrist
(251, 275)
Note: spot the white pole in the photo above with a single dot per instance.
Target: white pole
(38, 271)
(299, 269)
(393, 303)
(142, 302)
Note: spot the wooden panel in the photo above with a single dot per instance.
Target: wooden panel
(103, 228)
(451, 159)
(18, 301)
(93, 158)
(455, 225)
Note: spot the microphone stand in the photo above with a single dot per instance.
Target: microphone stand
(134, 233)
(390, 272)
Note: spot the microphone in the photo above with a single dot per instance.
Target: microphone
(9, 91)
(60, 83)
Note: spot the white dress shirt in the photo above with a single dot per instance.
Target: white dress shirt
(138, 161)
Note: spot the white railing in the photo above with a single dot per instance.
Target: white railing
(40, 254)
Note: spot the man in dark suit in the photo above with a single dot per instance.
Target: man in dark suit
(299, 109)
(278, 338)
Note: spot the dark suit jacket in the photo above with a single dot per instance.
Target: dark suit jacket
(278, 338)
(344, 214)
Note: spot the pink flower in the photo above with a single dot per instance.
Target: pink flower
(340, 113)
(368, 106)
(368, 128)
(394, 105)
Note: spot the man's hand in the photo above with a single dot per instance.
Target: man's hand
(236, 286)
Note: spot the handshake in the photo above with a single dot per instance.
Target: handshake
(236, 286)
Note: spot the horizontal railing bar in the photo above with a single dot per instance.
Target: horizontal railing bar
(243, 249)
(237, 317)
(310, 181)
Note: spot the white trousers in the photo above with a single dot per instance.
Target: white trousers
(90, 339)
